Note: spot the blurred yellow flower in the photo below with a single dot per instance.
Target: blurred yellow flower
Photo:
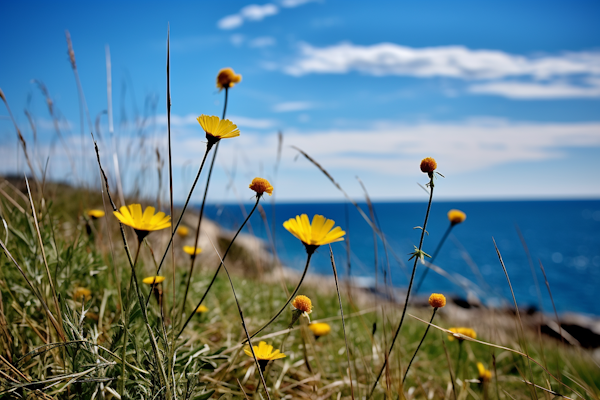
(151, 280)
(320, 328)
(264, 351)
(456, 216)
(183, 231)
(227, 78)
(82, 292)
(316, 234)
(468, 332)
(484, 374)
(437, 300)
(260, 186)
(201, 309)
(191, 250)
(95, 214)
(142, 222)
(302, 303)
(428, 165)
(217, 128)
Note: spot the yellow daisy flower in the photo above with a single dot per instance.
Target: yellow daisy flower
(217, 128)
(152, 280)
(95, 214)
(191, 250)
(201, 309)
(227, 78)
(437, 300)
(456, 216)
(260, 186)
(302, 303)
(82, 292)
(320, 329)
(264, 351)
(484, 374)
(428, 165)
(145, 222)
(183, 231)
(316, 234)
(468, 332)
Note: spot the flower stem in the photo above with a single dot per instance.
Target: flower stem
(412, 278)
(212, 163)
(419, 346)
(435, 253)
(218, 269)
(208, 147)
(258, 364)
(288, 300)
(125, 311)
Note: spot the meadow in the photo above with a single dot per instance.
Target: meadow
(106, 293)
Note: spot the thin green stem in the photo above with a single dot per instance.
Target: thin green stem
(288, 300)
(212, 164)
(458, 364)
(419, 346)
(434, 255)
(219, 268)
(125, 310)
(337, 289)
(260, 372)
(412, 278)
(208, 147)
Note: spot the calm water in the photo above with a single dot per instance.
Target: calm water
(563, 235)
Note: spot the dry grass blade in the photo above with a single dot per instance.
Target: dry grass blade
(21, 138)
(337, 288)
(39, 235)
(337, 185)
(522, 331)
(12, 201)
(529, 358)
(241, 313)
(34, 291)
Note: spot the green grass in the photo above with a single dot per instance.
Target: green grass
(209, 360)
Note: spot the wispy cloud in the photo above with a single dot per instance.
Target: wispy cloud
(293, 106)
(534, 90)
(263, 41)
(295, 3)
(545, 75)
(394, 149)
(448, 61)
(256, 12)
(252, 12)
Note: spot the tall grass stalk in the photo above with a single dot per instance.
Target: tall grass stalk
(417, 257)
(258, 197)
(200, 217)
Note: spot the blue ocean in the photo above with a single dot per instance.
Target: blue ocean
(563, 236)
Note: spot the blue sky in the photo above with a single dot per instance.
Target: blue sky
(505, 95)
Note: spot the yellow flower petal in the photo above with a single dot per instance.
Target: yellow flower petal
(146, 221)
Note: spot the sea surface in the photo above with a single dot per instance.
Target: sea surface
(564, 236)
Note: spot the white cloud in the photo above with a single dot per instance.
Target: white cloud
(295, 3)
(252, 12)
(394, 149)
(263, 41)
(230, 22)
(255, 12)
(545, 76)
(533, 90)
(447, 61)
(293, 106)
